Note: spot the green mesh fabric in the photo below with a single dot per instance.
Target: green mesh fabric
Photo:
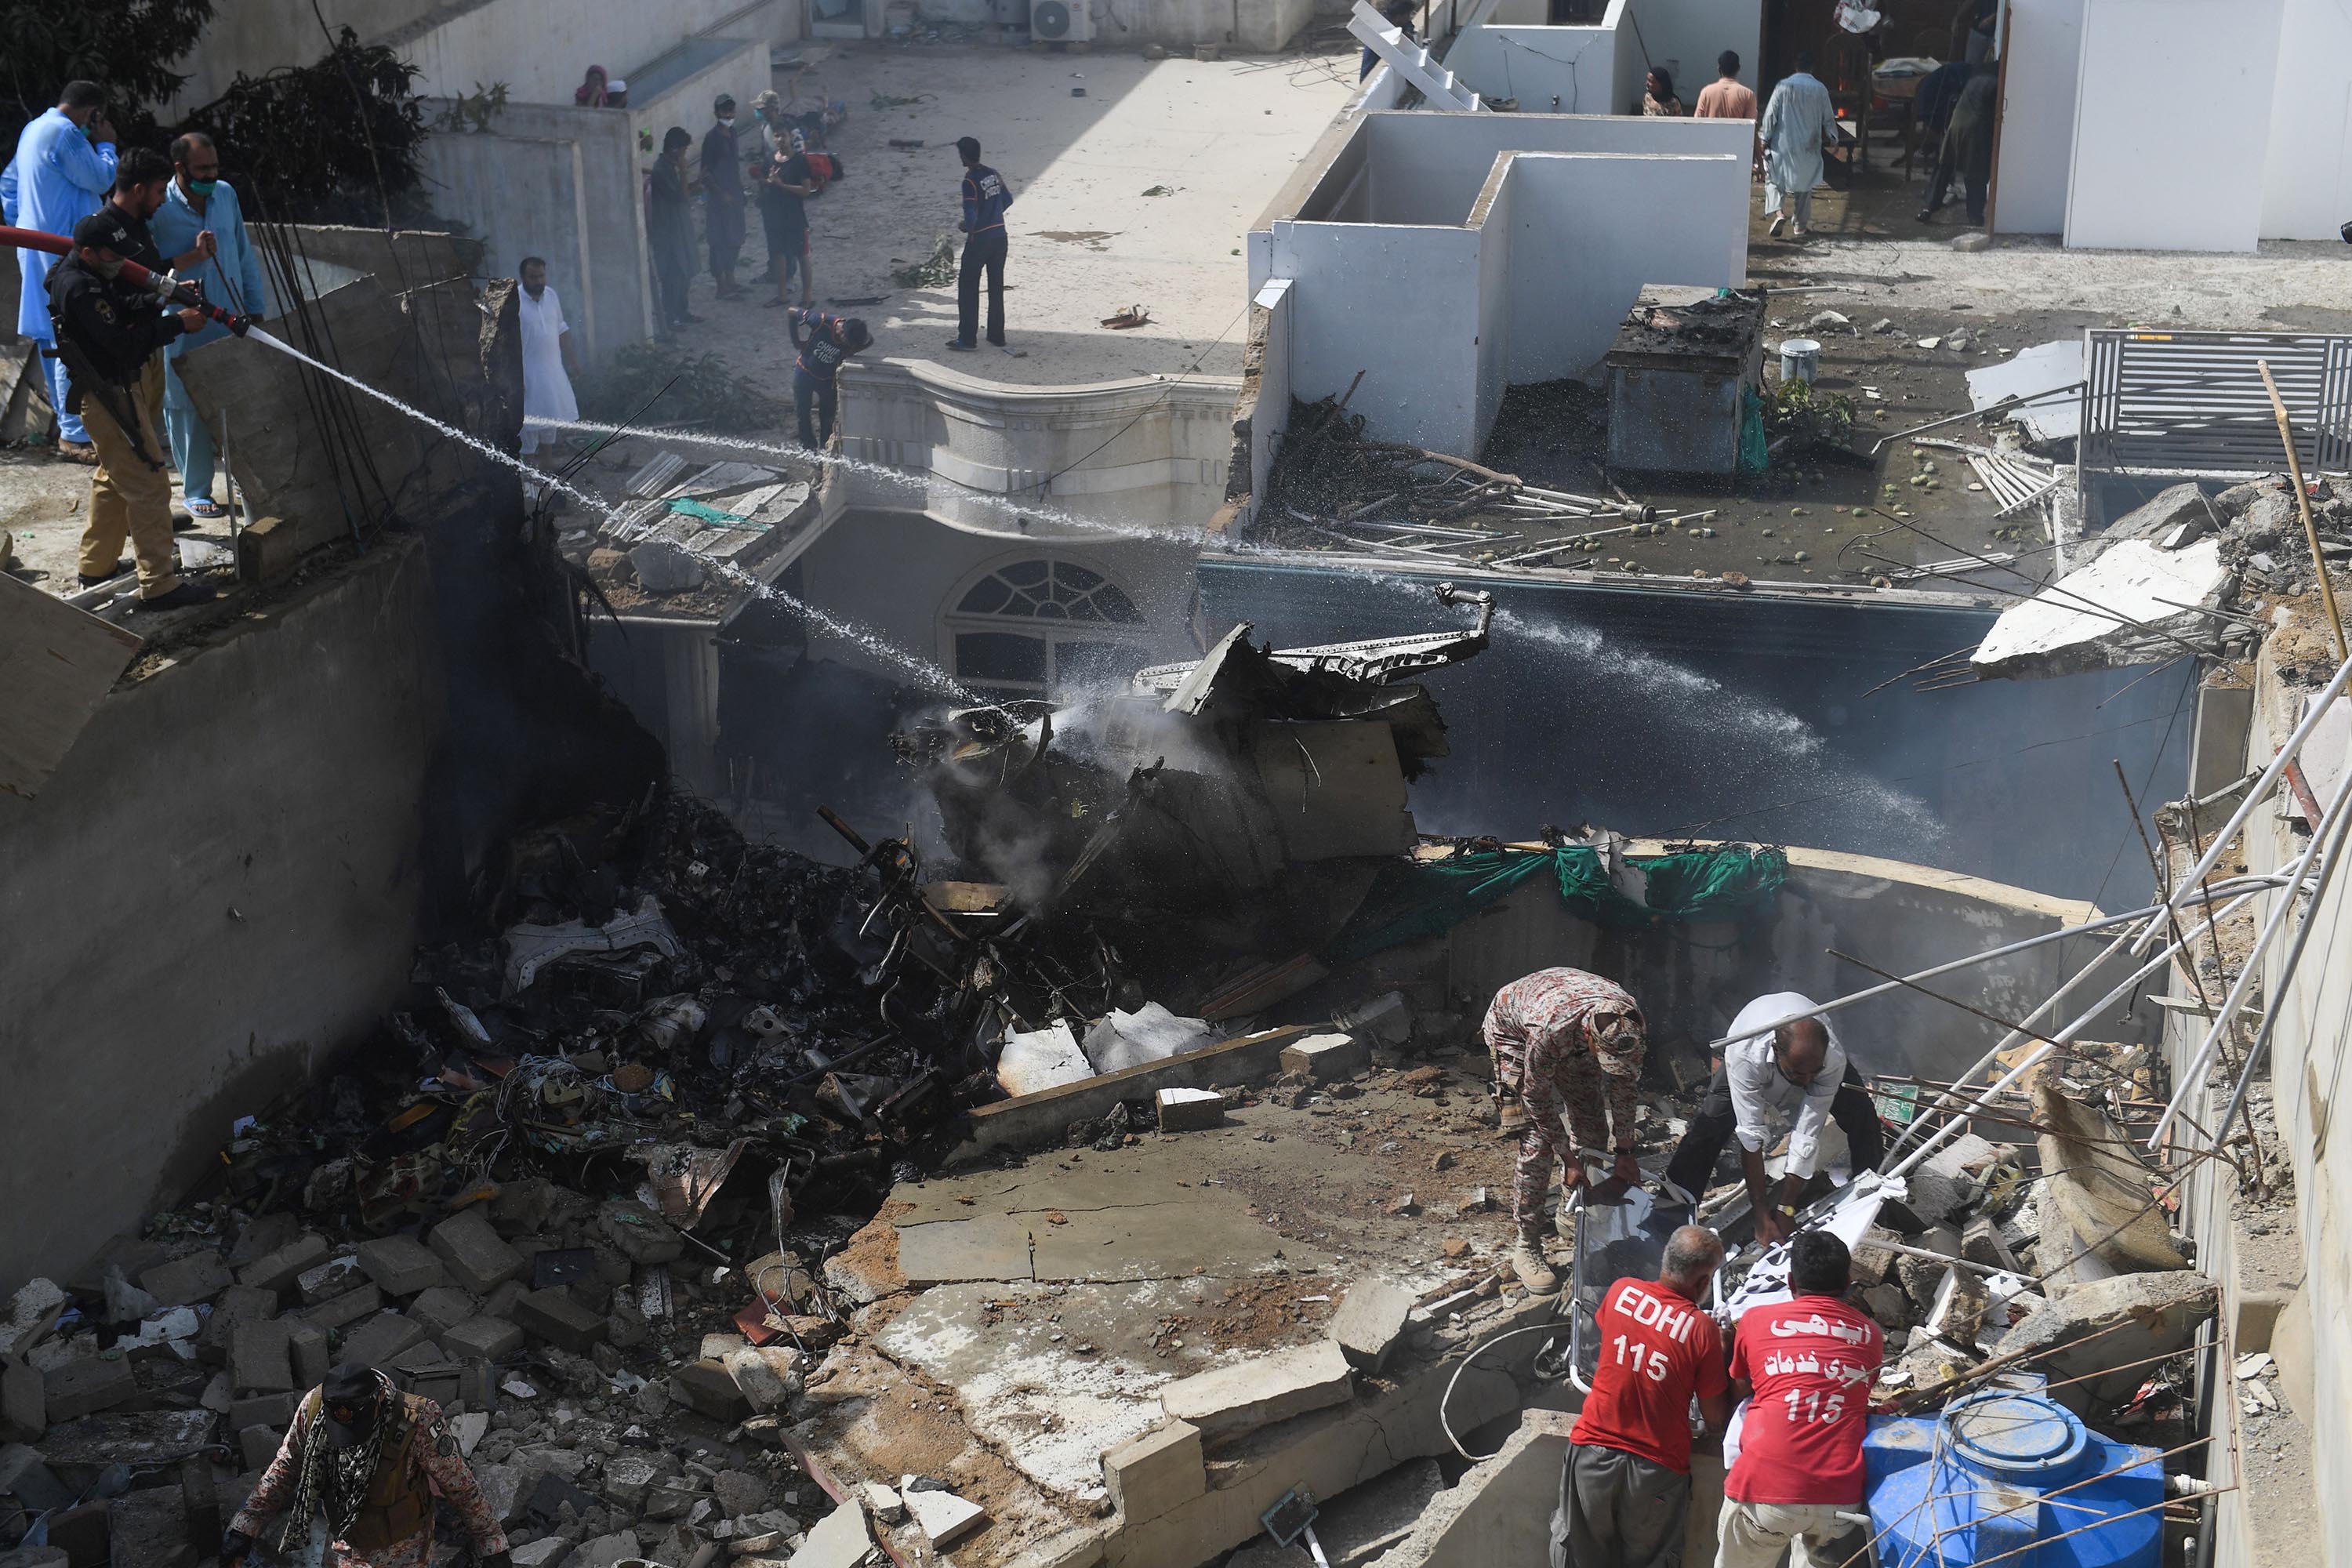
(1415, 898)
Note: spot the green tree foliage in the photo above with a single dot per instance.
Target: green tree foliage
(336, 142)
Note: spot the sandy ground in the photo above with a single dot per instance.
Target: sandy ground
(1219, 137)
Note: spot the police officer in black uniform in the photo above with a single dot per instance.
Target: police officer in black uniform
(108, 333)
(986, 198)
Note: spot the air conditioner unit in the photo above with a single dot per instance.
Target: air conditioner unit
(1061, 22)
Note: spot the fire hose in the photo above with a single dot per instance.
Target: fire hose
(167, 290)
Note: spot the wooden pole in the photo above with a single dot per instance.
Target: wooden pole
(2302, 500)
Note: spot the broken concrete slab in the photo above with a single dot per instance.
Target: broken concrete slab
(1189, 1109)
(1360, 1524)
(2135, 1317)
(557, 1316)
(149, 1528)
(1155, 1472)
(1945, 1182)
(482, 1339)
(1371, 1322)
(278, 1269)
(1261, 1390)
(840, 1539)
(376, 1342)
(767, 1375)
(2125, 608)
(2093, 1178)
(306, 1346)
(185, 1281)
(325, 1281)
(944, 1517)
(705, 1386)
(545, 1553)
(260, 1357)
(401, 1266)
(441, 1308)
(341, 1312)
(1323, 1057)
(478, 1258)
(24, 1404)
(80, 1451)
(86, 1385)
(25, 1476)
(606, 1550)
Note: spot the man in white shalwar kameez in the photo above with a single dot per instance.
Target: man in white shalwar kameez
(1799, 122)
(548, 364)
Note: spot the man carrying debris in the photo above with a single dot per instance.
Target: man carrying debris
(1775, 1076)
(367, 1462)
(1624, 1489)
(1562, 1038)
(1805, 1367)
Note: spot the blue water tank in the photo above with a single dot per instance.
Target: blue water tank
(2003, 1475)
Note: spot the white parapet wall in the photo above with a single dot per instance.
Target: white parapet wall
(1142, 451)
(1445, 257)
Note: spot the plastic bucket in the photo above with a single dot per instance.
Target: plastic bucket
(1800, 358)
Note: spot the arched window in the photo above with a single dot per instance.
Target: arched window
(1039, 626)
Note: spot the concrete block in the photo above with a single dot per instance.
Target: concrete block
(185, 1281)
(342, 1312)
(82, 1532)
(2136, 1317)
(402, 1265)
(839, 1540)
(381, 1338)
(263, 1237)
(1189, 1110)
(24, 1405)
(705, 1386)
(262, 1410)
(768, 1375)
(86, 1385)
(500, 1302)
(1323, 1057)
(35, 1557)
(481, 1339)
(306, 1346)
(1258, 1392)
(277, 1271)
(325, 1281)
(944, 1517)
(442, 1308)
(556, 1315)
(545, 1553)
(1155, 1472)
(605, 1551)
(1920, 1279)
(1370, 1321)
(149, 1528)
(258, 1446)
(739, 1492)
(478, 1257)
(1981, 1243)
(260, 1357)
(25, 1476)
(630, 1477)
(1942, 1185)
(237, 1304)
(638, 1233)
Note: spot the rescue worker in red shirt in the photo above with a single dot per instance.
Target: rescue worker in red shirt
(1806, 1366)
(1624, 1491)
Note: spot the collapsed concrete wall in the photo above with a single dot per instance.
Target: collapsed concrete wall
(220, 882)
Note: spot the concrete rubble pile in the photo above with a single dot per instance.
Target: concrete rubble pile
(2184, 573)
(580, 1194)
(2054, 1248)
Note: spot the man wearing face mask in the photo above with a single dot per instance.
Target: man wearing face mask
(722, 196)
(63, 165)
(201, 217)
(361, 1466)
(1563, 1041)
(108, 333)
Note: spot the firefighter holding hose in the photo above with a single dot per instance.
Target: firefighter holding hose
(109, 330)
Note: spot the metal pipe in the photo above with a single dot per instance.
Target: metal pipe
(2105, 922)
(2274, 1007)
(2322, 832)
(2263, 784)
(2065, 1035)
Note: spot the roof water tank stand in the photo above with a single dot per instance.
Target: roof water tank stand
(2009, 1473)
